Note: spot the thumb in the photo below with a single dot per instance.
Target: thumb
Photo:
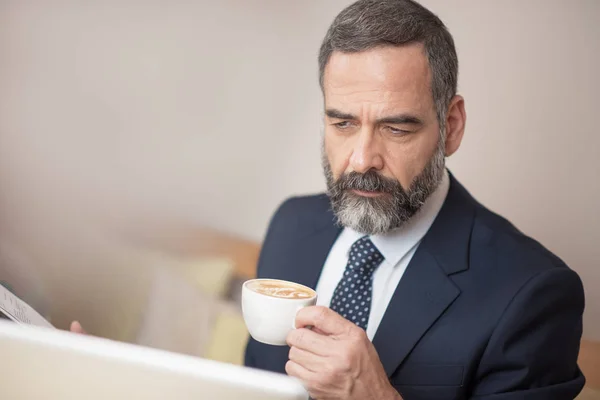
(323, 320)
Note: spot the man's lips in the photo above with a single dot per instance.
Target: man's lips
(367, 194)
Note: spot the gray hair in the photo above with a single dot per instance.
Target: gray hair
(367, 24)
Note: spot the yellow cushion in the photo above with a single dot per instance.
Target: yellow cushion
(229, 337)
(210, 275)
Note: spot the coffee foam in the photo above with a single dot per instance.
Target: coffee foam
(283, 290)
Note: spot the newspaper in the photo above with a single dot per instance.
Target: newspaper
(17, 310)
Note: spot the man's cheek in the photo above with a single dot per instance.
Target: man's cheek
(337, 166)
(340, 164)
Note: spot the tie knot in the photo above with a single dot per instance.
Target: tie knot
(364, 255)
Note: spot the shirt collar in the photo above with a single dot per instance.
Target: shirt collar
(396, 244)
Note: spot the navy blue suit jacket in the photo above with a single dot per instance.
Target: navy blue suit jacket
(482, 311)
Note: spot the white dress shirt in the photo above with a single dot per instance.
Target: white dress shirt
(398, 248)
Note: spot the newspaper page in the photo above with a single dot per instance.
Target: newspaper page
(17, 310)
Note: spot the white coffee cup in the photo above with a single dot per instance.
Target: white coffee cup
(269, 318)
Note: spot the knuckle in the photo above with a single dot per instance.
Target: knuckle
(322, 379)
(358, 335)
(346, 327)
(345, 362)
(327, 378)
(321, 313)
(295, 337)
(300, 336)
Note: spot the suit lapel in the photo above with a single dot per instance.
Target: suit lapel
(425, 291)
(422, 295)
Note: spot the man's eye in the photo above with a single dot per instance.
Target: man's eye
(343, 125)
(397, 131)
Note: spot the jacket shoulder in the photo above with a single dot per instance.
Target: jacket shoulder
(298, 213)
(511, 253)
(296, 218)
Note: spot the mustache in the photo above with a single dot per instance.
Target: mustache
(370, 181)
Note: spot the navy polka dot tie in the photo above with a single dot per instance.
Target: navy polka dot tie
(352, 297)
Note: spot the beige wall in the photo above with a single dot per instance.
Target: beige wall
(127, 128)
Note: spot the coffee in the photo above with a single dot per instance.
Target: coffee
(280, 289)
(270, 307)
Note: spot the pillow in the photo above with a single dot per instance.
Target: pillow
(229, 335)
(178, 316)
(211, 274)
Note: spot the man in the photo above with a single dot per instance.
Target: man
(423, 292)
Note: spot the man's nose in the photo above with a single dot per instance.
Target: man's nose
(366, 154)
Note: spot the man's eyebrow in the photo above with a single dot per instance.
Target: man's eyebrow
(399, 119)
(337, 114)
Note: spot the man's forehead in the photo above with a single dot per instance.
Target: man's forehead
(387, 79)
(388, 68)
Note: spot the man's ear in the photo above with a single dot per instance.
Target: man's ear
(456, 119)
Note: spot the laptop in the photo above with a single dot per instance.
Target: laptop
(42, 363)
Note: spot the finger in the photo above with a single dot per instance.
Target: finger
(317, 330)
(308, 360)
(307, 378)
(324, 319)
(310, 341)
(77, 328)
(298, 371)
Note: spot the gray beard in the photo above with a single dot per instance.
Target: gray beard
(379, 215)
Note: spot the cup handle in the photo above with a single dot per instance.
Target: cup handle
(294, 320)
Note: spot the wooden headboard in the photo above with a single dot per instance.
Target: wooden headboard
(589, 362)
(243, 252)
